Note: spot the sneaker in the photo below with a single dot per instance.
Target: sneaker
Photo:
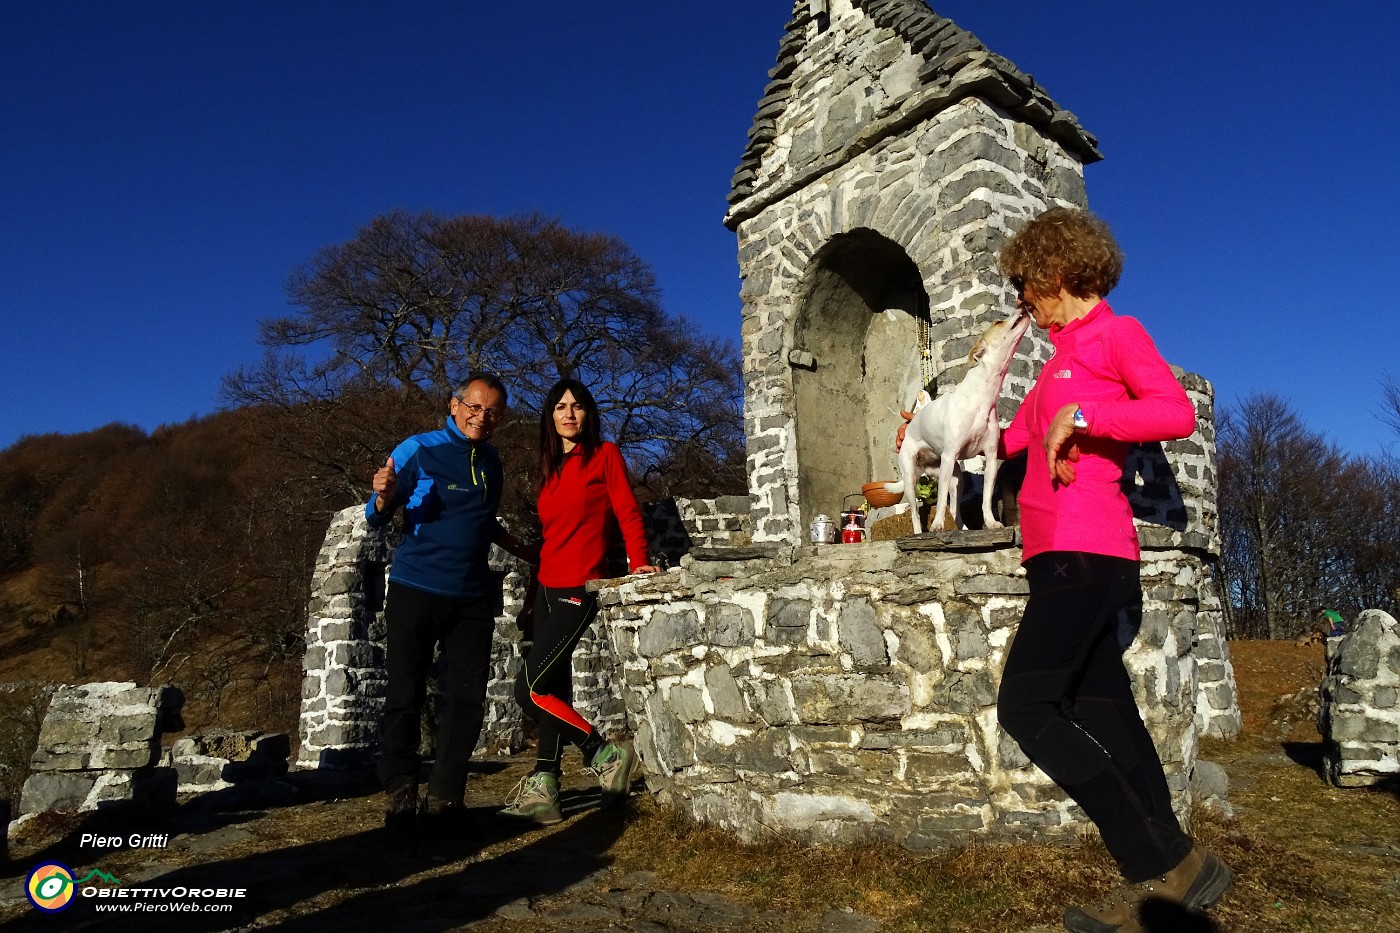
(401, 806)
(536, 799)
(1195, 884)
(614, 765)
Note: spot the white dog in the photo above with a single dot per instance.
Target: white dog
(959, 425)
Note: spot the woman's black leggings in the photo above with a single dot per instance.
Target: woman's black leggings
(1066, 698)
(545, 688)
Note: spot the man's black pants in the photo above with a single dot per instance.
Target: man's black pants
(417, 622)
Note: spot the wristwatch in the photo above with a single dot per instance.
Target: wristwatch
(1080, 422)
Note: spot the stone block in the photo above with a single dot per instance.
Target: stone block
(730, 626)
(1030, 819)
(1208, 780)
(687, 703)
(673, 744)
(314, 659)
(340, 581)
(95, 756)
(769, 701)
(971, 643)
(668, 631)
(856, 765)
(860, 634)
(340, 682)
(61, 791)
(768, 752)
(930, 769)
(787, 621)
(725, 696)
(1219, 696)
(965, 692)
(199, 772)
(847, 699)
(800, 811)
(991, 585)
(919, 649)
(356, 654)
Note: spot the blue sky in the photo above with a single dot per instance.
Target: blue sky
(165, 165)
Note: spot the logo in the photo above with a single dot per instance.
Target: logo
(51, 886)
(571, 600)
(1063, 374)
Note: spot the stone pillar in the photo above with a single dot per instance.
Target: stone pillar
(1359, 716)
(343, 690)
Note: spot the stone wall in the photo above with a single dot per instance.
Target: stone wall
(1360, 716)
(99, 747)
(343, 688)
(846, 693)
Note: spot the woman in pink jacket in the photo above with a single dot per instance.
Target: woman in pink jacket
(1065, 693)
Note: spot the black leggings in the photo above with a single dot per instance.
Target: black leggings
(1066, 698)
(545, 688)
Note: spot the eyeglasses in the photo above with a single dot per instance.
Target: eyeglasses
(1019, 284)
(481, 411)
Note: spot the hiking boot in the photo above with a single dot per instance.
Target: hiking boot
(536, 799)
(436, 807)
(613, 766)
(401, 806)
(1195, 884)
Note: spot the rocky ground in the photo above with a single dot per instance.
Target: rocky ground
(311, 852)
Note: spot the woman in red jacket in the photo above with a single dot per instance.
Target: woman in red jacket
(585, 499)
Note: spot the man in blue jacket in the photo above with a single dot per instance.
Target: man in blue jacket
(441, 590)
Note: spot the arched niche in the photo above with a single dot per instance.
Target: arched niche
(860, 341)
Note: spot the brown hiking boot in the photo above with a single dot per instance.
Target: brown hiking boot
(1195, 884)
(440, 807)
(401, 807)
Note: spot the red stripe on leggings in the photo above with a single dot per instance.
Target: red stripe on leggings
(560, 710)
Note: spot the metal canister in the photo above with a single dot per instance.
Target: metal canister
(823, 530)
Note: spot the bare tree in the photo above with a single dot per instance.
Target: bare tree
(1303, 527)
(1390, 403)
(396, 316)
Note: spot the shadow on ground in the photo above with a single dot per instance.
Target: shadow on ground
(362, 879)
(1308, 754)
(1161, 917)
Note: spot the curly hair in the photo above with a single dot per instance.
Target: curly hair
(1063, 248)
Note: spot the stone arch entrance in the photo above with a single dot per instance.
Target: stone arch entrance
(861, 339)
